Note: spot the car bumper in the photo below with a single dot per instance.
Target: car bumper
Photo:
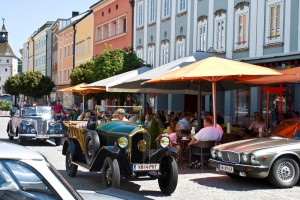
(239, 167)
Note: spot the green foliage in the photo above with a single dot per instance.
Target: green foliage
(32, 84)
(108, 64)
(5, 105)
(154, 131)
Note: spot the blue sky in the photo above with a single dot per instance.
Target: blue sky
(23, 17)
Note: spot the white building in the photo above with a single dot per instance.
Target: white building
(8, 60)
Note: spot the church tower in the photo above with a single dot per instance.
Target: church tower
(3, 34)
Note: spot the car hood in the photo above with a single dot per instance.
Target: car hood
(256, 144)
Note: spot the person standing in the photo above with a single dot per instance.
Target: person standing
(57, 108)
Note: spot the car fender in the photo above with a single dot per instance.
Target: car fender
(160, 153)
(74, 146)
(9, 127)
(286, 153)
(106, 151)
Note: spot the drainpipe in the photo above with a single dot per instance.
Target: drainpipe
(132, 2)
(74, 37)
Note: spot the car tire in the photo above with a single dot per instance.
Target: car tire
(111, 173)
(92, 145)
(21, 140)
(168, 179)
(284, 173)
(70, 167)
(57, 141)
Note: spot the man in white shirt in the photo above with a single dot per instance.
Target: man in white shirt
(208, 133)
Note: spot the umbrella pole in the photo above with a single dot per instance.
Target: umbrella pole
(214, 93)
(199, 107)
(82, 103)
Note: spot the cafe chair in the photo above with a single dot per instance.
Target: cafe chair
(201, 149)
(230, 137)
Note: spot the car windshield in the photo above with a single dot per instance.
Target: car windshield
(43, 111)
(285, 129)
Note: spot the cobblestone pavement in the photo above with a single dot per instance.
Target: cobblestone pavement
(192, 184)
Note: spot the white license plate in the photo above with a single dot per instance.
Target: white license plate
(225, 168)
(42, 136)
(145, 167)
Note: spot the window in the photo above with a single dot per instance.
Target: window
(65, 52)
(98, 34)
(164, 52)
(274, 19)
(139, 52)
(181, 6)
(122, 25)
(7, 61)
(140, 14)
(151, 11)
(202, 30)
(65, 75)
(151, 51)
(220, 24)
(6, 69)
(241, 21)
(69, 49)
(180, 48)
(105, 32)
(88, 45)
(166, 9)
(113, 28)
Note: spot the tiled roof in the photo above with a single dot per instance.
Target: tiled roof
(5, 50)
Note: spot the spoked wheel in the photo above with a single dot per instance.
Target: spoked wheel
(92, 145)
(284, 173)
(168, 179)
(111, 173)
(70, 167)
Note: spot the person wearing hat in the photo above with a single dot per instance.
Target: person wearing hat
(120, 115)
(101, 113)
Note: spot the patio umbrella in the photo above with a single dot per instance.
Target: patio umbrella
(82, 90)
(288, 75)
(213, 70)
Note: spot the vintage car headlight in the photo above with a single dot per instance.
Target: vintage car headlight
(253, 159)
(32, 130)
(164, 142)
(244, 158)
(213, 153)
(123, 142)
(219, 154)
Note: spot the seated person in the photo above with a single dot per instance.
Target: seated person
(185, 124)
(88, 116)
(100, 113)
(74, 115)
(61, 117)
(133, 119)
(120, 115)
(81, 116)
(258, 126)
(208, 133)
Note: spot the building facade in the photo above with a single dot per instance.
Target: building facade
(31, 53)
(25, 56)
(8, 60)
(40, 48)
(112, 24)
(263, 32)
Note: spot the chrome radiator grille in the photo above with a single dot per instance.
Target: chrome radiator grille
(41, 127)
(228, 156)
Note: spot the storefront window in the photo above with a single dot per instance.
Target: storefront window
(242, 107)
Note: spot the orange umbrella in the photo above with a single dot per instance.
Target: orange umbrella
(80, 89)
(215, 69)
(288, 75)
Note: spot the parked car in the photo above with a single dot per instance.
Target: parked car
(34, 122)
(119, 149)
(276, 157)
(25, 174)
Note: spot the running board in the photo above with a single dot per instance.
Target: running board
(82, 164)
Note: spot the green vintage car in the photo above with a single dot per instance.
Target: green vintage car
(119, 150)
(276, 156)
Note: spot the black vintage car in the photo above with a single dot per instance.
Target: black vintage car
(120, 150)
(34, 122)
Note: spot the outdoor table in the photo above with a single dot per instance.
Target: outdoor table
(183, 142)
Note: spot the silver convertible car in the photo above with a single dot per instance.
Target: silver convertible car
(34, 122)
(276, 157)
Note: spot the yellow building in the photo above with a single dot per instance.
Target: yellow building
(30, 54)
(84, 39)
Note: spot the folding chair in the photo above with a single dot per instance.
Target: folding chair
(197, 150)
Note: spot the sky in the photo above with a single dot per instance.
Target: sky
(23, 17)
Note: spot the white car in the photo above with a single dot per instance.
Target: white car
(25, 174)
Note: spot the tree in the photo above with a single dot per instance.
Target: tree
(11, 85)
(154, 132)
(83, 74)
(44, 87)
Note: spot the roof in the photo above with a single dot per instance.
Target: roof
(3, 29)
(17, 152)
(96, 3)
(6, 50)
